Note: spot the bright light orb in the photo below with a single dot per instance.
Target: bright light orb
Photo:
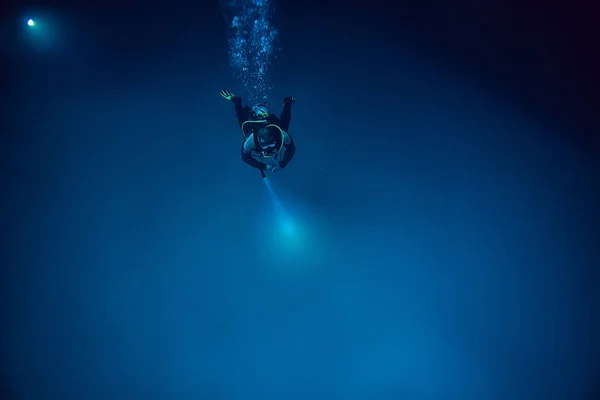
(31, 22)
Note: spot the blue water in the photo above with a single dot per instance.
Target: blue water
(252, 38)
(432, 238)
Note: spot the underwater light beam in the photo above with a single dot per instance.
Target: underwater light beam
(285, 221)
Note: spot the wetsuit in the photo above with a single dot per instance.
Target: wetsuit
(250, 124)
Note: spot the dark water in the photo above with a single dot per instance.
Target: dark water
(445, 243)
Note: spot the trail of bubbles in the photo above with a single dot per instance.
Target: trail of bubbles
(251, 42)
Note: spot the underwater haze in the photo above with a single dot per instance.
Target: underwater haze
(434, 236)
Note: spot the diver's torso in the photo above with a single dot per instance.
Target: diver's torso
(250, 147)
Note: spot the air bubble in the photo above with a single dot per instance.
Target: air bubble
(251, 43)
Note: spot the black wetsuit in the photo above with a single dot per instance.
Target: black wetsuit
(244, 114)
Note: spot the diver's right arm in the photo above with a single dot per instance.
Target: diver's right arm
(251, 161)
(247, 148)
(241, 112)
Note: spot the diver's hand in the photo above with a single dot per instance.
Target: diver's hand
(289, 100)
(227, 95)
(275, 168)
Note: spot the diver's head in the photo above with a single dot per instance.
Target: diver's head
(261, 110)
(269, 140)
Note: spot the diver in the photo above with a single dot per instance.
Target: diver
(267, 144)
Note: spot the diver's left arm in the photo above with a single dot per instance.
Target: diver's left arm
(286, 114)
(290, 150)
